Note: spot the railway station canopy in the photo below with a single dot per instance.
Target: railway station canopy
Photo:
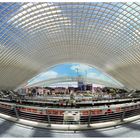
(36, 36)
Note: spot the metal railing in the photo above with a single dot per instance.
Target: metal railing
(55, 103)
(71, 115)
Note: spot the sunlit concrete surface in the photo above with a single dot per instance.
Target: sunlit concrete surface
(10, 129)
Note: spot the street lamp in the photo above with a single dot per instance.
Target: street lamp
(85, 79)
(77, 74)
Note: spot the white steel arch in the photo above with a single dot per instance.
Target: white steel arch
(36, 36)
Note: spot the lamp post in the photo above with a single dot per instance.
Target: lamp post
(77, 74)
(85, 80)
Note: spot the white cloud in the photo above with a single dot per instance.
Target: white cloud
(103, 77)
(106, 78)
(99, 76)
(92, 75)
(49, 74)
(85, 68)
(81, 68)
(44, 76)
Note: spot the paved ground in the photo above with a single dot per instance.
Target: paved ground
(10, 129)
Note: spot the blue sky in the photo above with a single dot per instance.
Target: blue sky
(71, 70)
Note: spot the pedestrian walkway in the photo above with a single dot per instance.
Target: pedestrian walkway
(10, 129)
(70, 127)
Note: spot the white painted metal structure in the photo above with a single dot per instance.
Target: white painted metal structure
(37, 36)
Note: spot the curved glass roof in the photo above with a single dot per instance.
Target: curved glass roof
(36, 36)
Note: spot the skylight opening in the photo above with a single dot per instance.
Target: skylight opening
(62, 71)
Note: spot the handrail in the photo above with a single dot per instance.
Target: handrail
(79, 109)
(69, 116)
(100, 101)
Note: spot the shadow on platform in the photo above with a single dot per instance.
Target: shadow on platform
(40, 132)
(93, 133)
(132, 126)
(5, 126)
